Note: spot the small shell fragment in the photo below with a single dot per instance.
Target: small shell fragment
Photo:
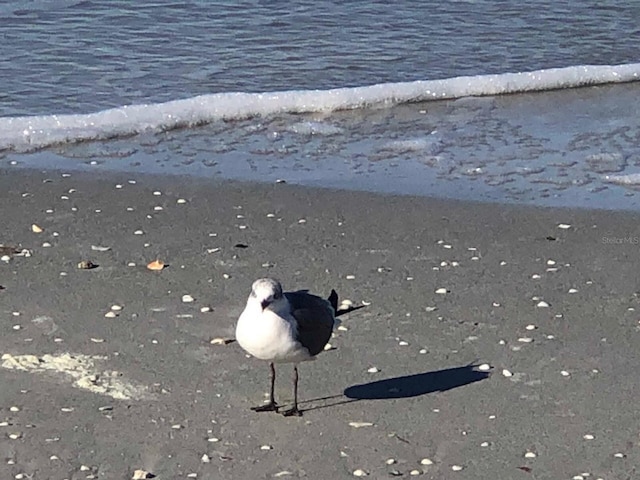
(456, 468)
(426, 461)
(360, 424)
(87, 265)
(141, 475)
(36, 229)
(390, 461)
(221, 341)
(530, 455)
(588, 436)
(187, 298)
(484, 367)
(507, 373)
(98, 248)
(111, 314)
(442, 291)
(542, 304)
(266, 447)
(156, 265)
(373, 370)
(359, 473)
(206, 309)
(564, 226)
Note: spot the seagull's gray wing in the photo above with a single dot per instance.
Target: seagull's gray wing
(315, 319)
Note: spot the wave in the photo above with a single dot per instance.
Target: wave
(31, 133)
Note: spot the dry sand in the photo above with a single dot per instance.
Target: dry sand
(450, 284)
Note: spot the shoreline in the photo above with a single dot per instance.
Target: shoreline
(447, 284)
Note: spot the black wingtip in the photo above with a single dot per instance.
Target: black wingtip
(333, 300)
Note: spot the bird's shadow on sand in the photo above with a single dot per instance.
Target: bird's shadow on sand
(407, 386)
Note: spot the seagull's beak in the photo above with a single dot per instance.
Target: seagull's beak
(265, 303)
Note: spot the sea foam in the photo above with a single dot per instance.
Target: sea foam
(32, 133)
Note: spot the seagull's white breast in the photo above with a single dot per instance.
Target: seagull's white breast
(268, 336)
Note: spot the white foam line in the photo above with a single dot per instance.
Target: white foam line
(25, 133)
(81, 371)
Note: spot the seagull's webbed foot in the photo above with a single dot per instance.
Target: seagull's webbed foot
(267, 407)
(292, 412)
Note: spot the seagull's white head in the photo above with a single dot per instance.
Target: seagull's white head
(268, 293)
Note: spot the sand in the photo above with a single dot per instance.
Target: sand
(544, 298)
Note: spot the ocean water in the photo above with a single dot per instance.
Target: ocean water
(482, 100)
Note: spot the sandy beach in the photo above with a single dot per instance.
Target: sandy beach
(497, 342)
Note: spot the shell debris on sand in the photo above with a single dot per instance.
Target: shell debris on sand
(141, 475)
(360, 424)
(82, 371)
(221, 341)
(87, 265)
(156, 265)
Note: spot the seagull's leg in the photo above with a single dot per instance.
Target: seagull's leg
(272, 406)
(294, 410)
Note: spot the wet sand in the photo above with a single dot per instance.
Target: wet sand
(448, 285)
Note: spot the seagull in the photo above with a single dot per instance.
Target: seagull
(289, 327)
